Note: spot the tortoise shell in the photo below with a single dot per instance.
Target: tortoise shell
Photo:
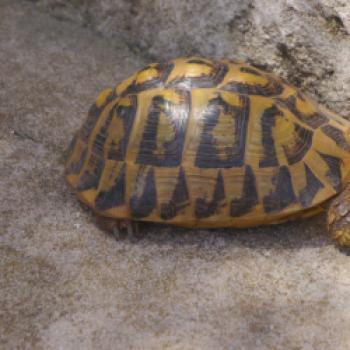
(198, 142)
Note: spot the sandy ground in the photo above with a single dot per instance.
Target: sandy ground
(67, 284)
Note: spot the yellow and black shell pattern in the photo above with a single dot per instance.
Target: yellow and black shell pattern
(203, 143)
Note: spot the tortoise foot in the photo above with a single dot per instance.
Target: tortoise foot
(342, 236)
(122, 229)
(338, 219)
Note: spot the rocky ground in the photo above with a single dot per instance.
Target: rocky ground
(67, 284)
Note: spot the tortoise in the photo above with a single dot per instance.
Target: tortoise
(196, 142)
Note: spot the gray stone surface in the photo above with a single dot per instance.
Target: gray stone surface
(308, 42)
(66, 284)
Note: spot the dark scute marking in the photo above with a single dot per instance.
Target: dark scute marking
(205, 208)
(219, 193)
(93, 115)
(207, 154)
(283, 194)
(314, 120)
(90, 178)
(127, 115)
(75, 167)
(334, 173)
(180, 194)
(71, 145)
(179, 199)
(87, 180)
(149, 84)
(135, 88)
(114, 196)
(220, 73)
(302, 144)
(272, 88)
(199, 61)
(211, 80)
(313, 185)
(337, 136)
(232, 61)
(168, 210)
(144, 205)
(268, 121)
(249, 71)
(164, 70)
(244, 204)
(101, 136)
(90, 122)
(172, 150)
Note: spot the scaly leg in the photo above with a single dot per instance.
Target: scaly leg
(126, 228)
(121, 228)
(338, 217)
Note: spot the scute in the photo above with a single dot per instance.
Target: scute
(198, 142)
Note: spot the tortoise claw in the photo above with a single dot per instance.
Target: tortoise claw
(342, 236)
(338, 218)
(120, 229)
(116, 232)
(126, 229)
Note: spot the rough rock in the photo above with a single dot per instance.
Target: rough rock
(308, 42)
(67, 284)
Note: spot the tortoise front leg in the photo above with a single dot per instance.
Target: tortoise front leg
(120, 228)
(338, 217)
(126, 228)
